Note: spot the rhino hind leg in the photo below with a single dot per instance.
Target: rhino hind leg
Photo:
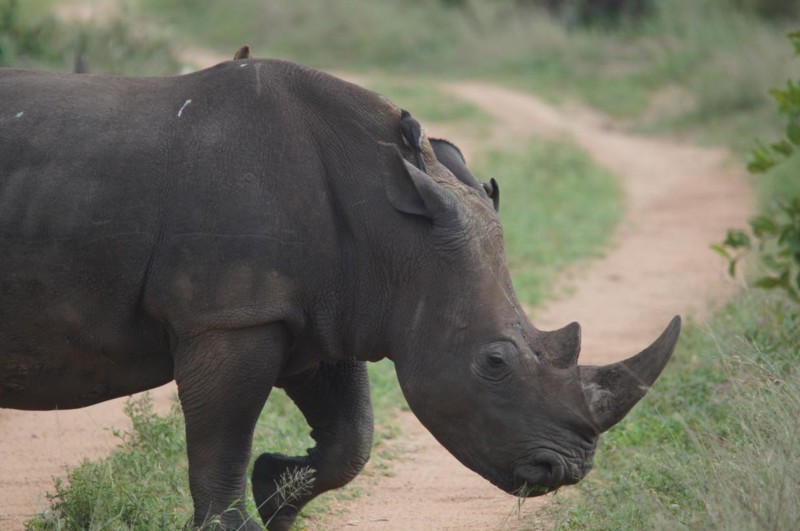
(334, 398)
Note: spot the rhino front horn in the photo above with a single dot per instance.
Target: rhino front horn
(612, 390)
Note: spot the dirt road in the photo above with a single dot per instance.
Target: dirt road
(679, 198)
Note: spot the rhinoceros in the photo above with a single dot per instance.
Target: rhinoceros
(260, 224)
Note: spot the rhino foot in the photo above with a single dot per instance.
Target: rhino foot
(277, 499)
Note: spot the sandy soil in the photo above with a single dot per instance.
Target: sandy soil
(680, 198)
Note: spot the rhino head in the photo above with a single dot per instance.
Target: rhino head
(508, 400)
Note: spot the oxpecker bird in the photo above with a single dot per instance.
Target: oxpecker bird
(242, 53)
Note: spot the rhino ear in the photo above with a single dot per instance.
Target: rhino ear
(410, 190)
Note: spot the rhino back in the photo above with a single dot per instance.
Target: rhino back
(135, 209)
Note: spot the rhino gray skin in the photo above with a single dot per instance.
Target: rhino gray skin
(256, 225)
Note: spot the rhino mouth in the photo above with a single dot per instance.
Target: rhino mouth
(521, 484)
(531, 481)
(546, 472)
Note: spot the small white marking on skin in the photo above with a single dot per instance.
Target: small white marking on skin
(243, 64)
(185, 104)
(19, 114)
(596, 395)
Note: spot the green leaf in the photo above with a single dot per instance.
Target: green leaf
(769, 283)
(720, 249)
(763, 226)
(788, 100)
(793, 294)
(772, 264)
(792, 208)
(732, 267)
(792, 242)
(761, 159)
(793, 127)
(794, 36)
(736, 239)
(783, 148)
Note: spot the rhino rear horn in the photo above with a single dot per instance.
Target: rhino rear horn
(563, 346)
(612, 390)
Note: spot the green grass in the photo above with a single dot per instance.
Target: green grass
(557, 207)
(142, 485)
(432, 104)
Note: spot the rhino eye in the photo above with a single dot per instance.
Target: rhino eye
(496, 360)
(493, 364)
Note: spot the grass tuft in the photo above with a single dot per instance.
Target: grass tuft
(129, 489)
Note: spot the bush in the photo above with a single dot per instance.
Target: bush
(777, 232)
(128, 489)
(20, 40)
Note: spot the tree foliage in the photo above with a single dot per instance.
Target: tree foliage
(775, 235)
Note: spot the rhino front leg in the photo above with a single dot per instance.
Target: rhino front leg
(335, 400)
(224, 378)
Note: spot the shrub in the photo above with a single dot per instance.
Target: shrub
(777, 232)
(19, 39)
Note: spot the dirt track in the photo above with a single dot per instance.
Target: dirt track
(679, 198)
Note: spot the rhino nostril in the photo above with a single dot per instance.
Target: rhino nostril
(544, 473)
(555, 474)
(547, 469)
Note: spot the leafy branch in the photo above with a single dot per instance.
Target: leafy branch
(777, 235)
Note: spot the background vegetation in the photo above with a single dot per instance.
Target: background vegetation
(715, 444)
